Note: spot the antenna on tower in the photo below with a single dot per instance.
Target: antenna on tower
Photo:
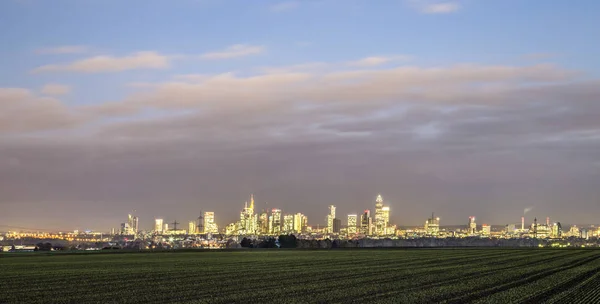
(175, 223)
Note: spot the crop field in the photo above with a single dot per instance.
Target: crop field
(299, 276)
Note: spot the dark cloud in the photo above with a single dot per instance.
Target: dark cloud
(485, 151)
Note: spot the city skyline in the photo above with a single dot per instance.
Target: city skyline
(177, 107)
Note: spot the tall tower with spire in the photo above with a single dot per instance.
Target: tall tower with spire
(379, 216)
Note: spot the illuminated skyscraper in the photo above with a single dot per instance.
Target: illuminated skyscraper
(288, 223)
(263, 223)
(352, 224)
(192, 227)
(472, 229)
(158, 226)
(209, 223)
(131, 226)
(132, 223)
(557, 230)
(248, 219)
(366, 222)
(486, 230)
(300, 223)
(330, 218)
(432, 226)
(166, 228)
(275, 222)
(379, 221)
(386, 220)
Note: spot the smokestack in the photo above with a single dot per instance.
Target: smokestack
(548, 221)
(522, 223)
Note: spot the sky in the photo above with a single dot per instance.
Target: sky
(169, 108)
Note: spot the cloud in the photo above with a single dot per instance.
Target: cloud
(55, 89)
(376, 60)
(66, 49)
(21, 111)
(434, 6)
(234, 51)
(472, 132)
(284, 6)
(100, 64)
(441, 8)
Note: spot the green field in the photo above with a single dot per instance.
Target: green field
(298, 276)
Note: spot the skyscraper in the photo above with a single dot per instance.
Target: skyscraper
(300, 222)
(379, 221)
(248, 219)
(337, 224)
(263, 223)
(386, 220)
(209, 223)
(158, 226)
(288, 223)
(192, 227)
(366, 222)
(432, 226)
(352, 224)
(132, 223)
(472, 226)
(330, 218)
(275, 221)
(486, 230)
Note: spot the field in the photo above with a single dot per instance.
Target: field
(298, 276)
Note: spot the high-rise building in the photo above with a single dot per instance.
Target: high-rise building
(131, 226)
(337, 224)
(158, 226)
(379, 218)
(385, 211)
(166, 228)
(472, 228)
(366, 222)
(330, 218)
(192, 227)
(248, 219)
(288, 223)
(263, 223)
(432, 226)
(300, 223)
(486, 230)
(556, 230)
(352, 224)
(209, 223)
(275, 222)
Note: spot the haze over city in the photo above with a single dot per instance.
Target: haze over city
(170, 108)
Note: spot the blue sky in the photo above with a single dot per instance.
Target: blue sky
(436, 104)
(293, 32)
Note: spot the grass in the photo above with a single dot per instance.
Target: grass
(305, 276)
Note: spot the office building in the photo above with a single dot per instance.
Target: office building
(210, 226)
(366, 223)
(486, 230)
(379, 221)
(337, 225)
(275, 222)
(472, 228)
(352, 219)
(330, 219)
(288, 223)
(158, 226)
(192, 227)
(300, 223)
